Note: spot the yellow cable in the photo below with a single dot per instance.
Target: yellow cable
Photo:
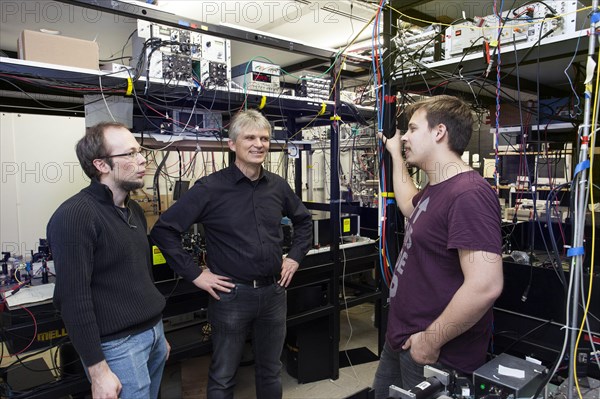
(301, 129)
(591, 187)
(359, 32)
(263, 102)
(339, 74)
(323, 109)
(129, 89)
(336, 57)
(321, 112)
(15, 277)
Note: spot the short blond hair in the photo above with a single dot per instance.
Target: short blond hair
(248, 120)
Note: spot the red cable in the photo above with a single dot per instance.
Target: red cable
(32, 338)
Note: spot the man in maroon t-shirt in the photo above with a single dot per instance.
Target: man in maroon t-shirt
(449, 272)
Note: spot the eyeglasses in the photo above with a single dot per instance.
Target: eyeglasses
(130, 155)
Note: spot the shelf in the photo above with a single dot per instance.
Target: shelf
(187, 342)
(148, 12)
(550, 48)
(543, 127)
(322, 266)
(304, 109)
(310, 315)
(527, 190)
(552, 152)
(202, 143)
(469, 74)
(350, 302)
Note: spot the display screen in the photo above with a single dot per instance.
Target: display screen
(551, 168)
(513, 168)
(261, 77)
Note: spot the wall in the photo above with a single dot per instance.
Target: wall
(39, 171)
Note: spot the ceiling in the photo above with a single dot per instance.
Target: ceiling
(323, 24)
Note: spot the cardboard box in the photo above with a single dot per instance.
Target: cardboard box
(55, 49)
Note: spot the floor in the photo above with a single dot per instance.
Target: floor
(187, 379)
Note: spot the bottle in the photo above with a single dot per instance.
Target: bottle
(29, 273)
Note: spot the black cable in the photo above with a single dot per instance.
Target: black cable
(23, 358)
(557, 264)
(177, 279)
(116, 59)
(40, 388)
(498, 40)
(123, 48)
(465, 52)
(45, 369)
(551, 31)
(46, 106)
(552, 10)
(519, 96)
(538, 145)
(137, 100)
(156, 176)
(180, 164)
(546, 380)
(526, 292)
(528, 333)
(62, 367)
(359, 118)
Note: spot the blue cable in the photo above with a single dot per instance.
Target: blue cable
(382, 109)
(378, 106)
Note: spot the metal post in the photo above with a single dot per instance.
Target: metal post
(581, 198)
(309, 175)
(335, 216)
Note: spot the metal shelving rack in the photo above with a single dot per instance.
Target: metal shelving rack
(570, 45)
(325, 266)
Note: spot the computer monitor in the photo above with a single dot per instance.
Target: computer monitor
(509, 142)
(553, 170)
(515, 170)
(187, 120)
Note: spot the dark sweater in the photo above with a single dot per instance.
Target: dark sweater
(104, 288)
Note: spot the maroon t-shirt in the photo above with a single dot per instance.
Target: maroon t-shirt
(460, 213)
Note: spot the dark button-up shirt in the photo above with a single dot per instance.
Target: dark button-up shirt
(242, 224)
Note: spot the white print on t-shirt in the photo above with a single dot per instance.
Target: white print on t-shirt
(421, 207)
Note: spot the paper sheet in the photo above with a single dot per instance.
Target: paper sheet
(507, 371)
(34, 295)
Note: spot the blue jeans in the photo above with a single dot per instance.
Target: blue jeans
(396, 368)
(138, 361)
(260, 312)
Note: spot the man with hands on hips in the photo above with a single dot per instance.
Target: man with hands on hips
(240, 208)
(449, 272)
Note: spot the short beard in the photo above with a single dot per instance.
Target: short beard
(128, 186)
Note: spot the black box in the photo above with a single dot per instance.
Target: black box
(488, 379)
(349, 225)
(181, 187)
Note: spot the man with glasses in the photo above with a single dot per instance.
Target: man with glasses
(104, 288)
